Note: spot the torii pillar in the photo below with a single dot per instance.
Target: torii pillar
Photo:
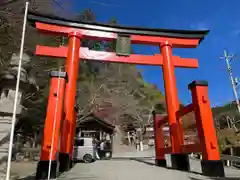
(50, 143)
(176, 130)
(68, 131)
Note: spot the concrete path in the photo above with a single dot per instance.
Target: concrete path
(125, 166)
(131, 170)
(137, 168)
(23, 170)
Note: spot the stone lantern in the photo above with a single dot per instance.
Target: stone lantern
(8, 80)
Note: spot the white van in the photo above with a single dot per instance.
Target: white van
(83, 150)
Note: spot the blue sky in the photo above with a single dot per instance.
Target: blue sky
(220, 16)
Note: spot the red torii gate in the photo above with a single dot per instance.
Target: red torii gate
(166, 40)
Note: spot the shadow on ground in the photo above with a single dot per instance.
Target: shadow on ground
(153, 164)
(32, 177)
(194, 172)
(218, 178)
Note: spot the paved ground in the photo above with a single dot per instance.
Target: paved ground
(123, 168)
(21, 170)
(129, 170)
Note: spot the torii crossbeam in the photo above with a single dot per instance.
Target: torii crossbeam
(124, 36)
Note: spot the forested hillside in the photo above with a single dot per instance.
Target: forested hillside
(229, 109)
(227, 134)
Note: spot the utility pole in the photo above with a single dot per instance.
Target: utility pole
(217, 126)
(228, 58)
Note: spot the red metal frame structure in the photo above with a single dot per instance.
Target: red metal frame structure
(208, 146)
(166, 40)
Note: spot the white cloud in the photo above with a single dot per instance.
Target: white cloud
(236, 32)
(200, 26)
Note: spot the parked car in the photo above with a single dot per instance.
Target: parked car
(84, 150)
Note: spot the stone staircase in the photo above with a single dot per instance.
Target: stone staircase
(120, 149)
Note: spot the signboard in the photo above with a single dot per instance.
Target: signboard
(123, 45)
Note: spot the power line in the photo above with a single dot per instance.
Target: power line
(105, 4)
(58, 4)
(69, 11)
(63, 8)
(5, 3)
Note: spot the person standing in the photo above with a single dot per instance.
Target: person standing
(131, 138)
(96, 149)
(102, 152)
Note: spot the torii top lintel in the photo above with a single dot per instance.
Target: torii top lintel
(57, 25)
